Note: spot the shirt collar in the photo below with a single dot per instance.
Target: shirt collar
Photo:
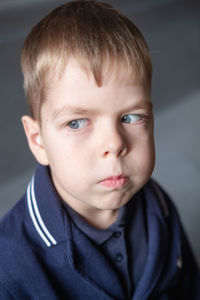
(49, 218)
(45, 209)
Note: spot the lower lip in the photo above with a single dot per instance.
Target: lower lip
(114, 183)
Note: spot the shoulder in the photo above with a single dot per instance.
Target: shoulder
(15, 240)
(161, 209)
(174, 230)
(153, 190)
(11, 223)
(19, 251)
(13, 230)
(11, 239)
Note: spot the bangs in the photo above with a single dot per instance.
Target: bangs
(102, 40)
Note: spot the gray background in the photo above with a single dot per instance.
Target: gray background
(172, 30)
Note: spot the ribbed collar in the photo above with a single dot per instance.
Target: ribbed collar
(45, 209)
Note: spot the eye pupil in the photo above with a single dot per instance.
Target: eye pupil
(74, 125)
(126, 119)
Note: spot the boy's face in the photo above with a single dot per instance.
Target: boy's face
(98, 141)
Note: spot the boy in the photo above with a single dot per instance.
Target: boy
(92, 225)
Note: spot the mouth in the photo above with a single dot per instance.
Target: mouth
(114, 182)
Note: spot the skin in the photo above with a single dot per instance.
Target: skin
(89, 133)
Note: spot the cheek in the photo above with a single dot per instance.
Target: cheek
(143, 153)
(70, 168)
(61, 148)
(148, 156)
(72, 160)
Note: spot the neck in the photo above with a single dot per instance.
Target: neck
(101, 219)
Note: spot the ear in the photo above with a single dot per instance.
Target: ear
(34, 138)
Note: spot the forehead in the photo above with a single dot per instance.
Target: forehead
(76, 86)
(112, 71)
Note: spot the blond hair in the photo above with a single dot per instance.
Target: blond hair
(92, 32)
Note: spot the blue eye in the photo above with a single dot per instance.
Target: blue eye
(77, 124)
(131, 118)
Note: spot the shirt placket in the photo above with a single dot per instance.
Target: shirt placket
(115, 249)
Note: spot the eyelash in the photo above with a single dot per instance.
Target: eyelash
(125, 118)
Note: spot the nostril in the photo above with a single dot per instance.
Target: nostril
(119, 153)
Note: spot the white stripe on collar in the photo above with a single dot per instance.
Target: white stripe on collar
(36, 217)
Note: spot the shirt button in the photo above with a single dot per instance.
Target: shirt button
(117, 234)
(118, 257)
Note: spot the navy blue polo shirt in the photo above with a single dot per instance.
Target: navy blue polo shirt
(124, 243)
(44, 254)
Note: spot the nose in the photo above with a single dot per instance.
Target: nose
(113, 143)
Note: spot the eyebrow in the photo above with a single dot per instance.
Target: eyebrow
(76, 110)
(147, 105)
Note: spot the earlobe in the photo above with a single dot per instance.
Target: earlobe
(33, 135)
